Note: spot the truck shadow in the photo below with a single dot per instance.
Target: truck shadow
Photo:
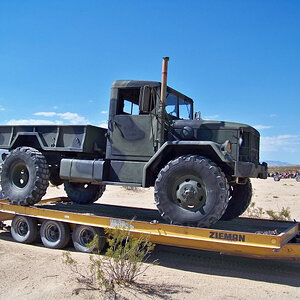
(213, 263)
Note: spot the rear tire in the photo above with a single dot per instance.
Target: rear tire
(83, 235)
(298, 178)
(25, 176)
(191, 190)
(239, 200)
(83, 193)
(24, 229)
(54, 234)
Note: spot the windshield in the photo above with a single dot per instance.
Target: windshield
(178, 108)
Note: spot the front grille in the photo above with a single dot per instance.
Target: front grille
(249, 151)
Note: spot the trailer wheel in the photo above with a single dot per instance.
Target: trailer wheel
(25, 176)
(24, 229)
(54, 234)
(191, 190)
(83, 193)
(83, 235)
(239, 200)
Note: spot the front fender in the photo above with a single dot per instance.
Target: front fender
(172, 149)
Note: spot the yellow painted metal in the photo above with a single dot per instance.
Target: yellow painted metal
(229, 242)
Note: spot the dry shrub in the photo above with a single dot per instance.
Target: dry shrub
(122, 263)
(258, 212)
(283, 215)
(254, 212)
(131, 188)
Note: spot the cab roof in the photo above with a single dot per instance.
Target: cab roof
(141, 83)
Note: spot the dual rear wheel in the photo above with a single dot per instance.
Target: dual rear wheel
(56, 235)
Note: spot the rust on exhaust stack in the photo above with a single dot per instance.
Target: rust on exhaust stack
(164, 77)
(162, 103)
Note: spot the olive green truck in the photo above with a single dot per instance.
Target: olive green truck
(200, 169)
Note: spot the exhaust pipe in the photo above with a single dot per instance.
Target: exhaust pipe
(164, 76)
(162, 103)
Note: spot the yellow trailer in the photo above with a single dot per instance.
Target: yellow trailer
(58, 219)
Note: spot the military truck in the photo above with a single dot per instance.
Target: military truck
(200, 169)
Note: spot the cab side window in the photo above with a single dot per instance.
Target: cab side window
(128, 101)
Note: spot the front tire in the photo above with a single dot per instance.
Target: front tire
(25, 176)
(191, 190)
(83, 193)
(239, 200)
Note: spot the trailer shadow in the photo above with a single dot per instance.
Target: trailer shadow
(212, 263)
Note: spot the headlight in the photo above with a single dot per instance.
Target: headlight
(226, 146)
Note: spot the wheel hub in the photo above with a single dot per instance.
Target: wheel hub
(190, 194)
(87, 237)
(20, 175)
(22, 228)
(52, 233)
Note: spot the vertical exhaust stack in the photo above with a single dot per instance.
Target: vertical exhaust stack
(164, 77)
(162, 103)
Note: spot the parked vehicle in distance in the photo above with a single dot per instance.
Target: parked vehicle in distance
(200, 169)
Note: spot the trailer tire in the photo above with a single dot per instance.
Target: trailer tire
(239, 200)
(191, 190)
(55, 234)
(82, 235)
(83, 193)
(24, 229)
(25, 176)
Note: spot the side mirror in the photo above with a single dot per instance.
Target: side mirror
(145, 99)
(197, 115)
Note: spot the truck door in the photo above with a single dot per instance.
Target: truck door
(132, 133)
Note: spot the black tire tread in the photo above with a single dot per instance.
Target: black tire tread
(41, 179)
(220, 177)
(88, 196)
(239, 201)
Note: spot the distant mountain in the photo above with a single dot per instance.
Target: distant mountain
(275, 163)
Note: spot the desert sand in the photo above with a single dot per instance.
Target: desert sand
(34, 272)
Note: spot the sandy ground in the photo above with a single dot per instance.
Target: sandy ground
(34, 272)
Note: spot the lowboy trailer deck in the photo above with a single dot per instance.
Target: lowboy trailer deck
(59, 217)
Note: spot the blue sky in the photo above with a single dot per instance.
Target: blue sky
(239, 61)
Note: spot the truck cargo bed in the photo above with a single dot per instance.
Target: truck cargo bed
(63, 138)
